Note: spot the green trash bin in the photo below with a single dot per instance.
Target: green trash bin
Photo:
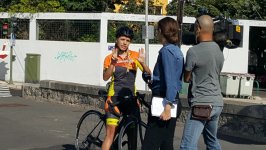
(32, 68)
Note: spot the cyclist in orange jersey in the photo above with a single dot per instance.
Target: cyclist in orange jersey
(121, 66)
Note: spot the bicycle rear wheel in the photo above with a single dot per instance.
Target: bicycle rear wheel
(131, 136)
(90, 131)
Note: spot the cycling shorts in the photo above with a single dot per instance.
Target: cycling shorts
(111, 114)
(112, 119)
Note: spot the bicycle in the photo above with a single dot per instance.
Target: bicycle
(130, 133)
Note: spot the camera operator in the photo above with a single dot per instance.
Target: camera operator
(203, 66)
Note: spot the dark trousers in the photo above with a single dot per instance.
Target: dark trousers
(159, 134)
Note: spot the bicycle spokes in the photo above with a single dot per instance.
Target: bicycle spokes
(91, 139)
(90, 131)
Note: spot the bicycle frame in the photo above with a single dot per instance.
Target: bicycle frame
(129, 131)
(132, 134)
(133, 118)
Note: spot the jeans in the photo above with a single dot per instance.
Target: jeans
(193, 129)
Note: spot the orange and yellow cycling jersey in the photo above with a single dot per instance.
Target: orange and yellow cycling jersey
(122, 84)
(124, 75)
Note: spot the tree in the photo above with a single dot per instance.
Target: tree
(30, 6)
(237, 9)
(5, 4)
(132, 7)
(33, 6)
(248, 9)
(88, 5)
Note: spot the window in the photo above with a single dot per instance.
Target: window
(135, 26)
(69, 30)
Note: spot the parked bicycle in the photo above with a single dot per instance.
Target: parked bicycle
(131, 130)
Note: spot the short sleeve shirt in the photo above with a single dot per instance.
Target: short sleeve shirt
(205, 61)
(123, 78)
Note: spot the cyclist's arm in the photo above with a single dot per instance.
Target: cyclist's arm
(109, 67)
(143, 67)
(108, 72)
(141, 62)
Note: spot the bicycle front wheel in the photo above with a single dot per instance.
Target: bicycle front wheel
(131, 136)
(90, 131)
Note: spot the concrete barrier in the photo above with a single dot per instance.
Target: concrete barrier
(242, 118)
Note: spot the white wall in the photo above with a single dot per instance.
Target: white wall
(82, 62)
(63, 61)
(72, 62)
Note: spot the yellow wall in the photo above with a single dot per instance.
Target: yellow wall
(161, 3)
(165, 3)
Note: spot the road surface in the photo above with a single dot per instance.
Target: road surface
(37, 125)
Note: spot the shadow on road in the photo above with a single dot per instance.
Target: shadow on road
(237, 140)
(58, 147)
(68, 147)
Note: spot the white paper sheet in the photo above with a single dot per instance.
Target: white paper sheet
(157, 107)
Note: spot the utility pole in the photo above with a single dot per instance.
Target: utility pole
(12, 39)
(180, 12)
(146, 37)
(147, 33)
(11, 66)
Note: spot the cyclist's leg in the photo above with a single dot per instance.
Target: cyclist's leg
(108, 140)
(111, 127)
(112, 122)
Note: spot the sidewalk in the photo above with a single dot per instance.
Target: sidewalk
(15, 85)
(15, 88)
(259, 96)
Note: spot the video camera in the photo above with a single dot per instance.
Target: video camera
(227, 33)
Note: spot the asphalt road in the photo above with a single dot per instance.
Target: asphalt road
(34, 125)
